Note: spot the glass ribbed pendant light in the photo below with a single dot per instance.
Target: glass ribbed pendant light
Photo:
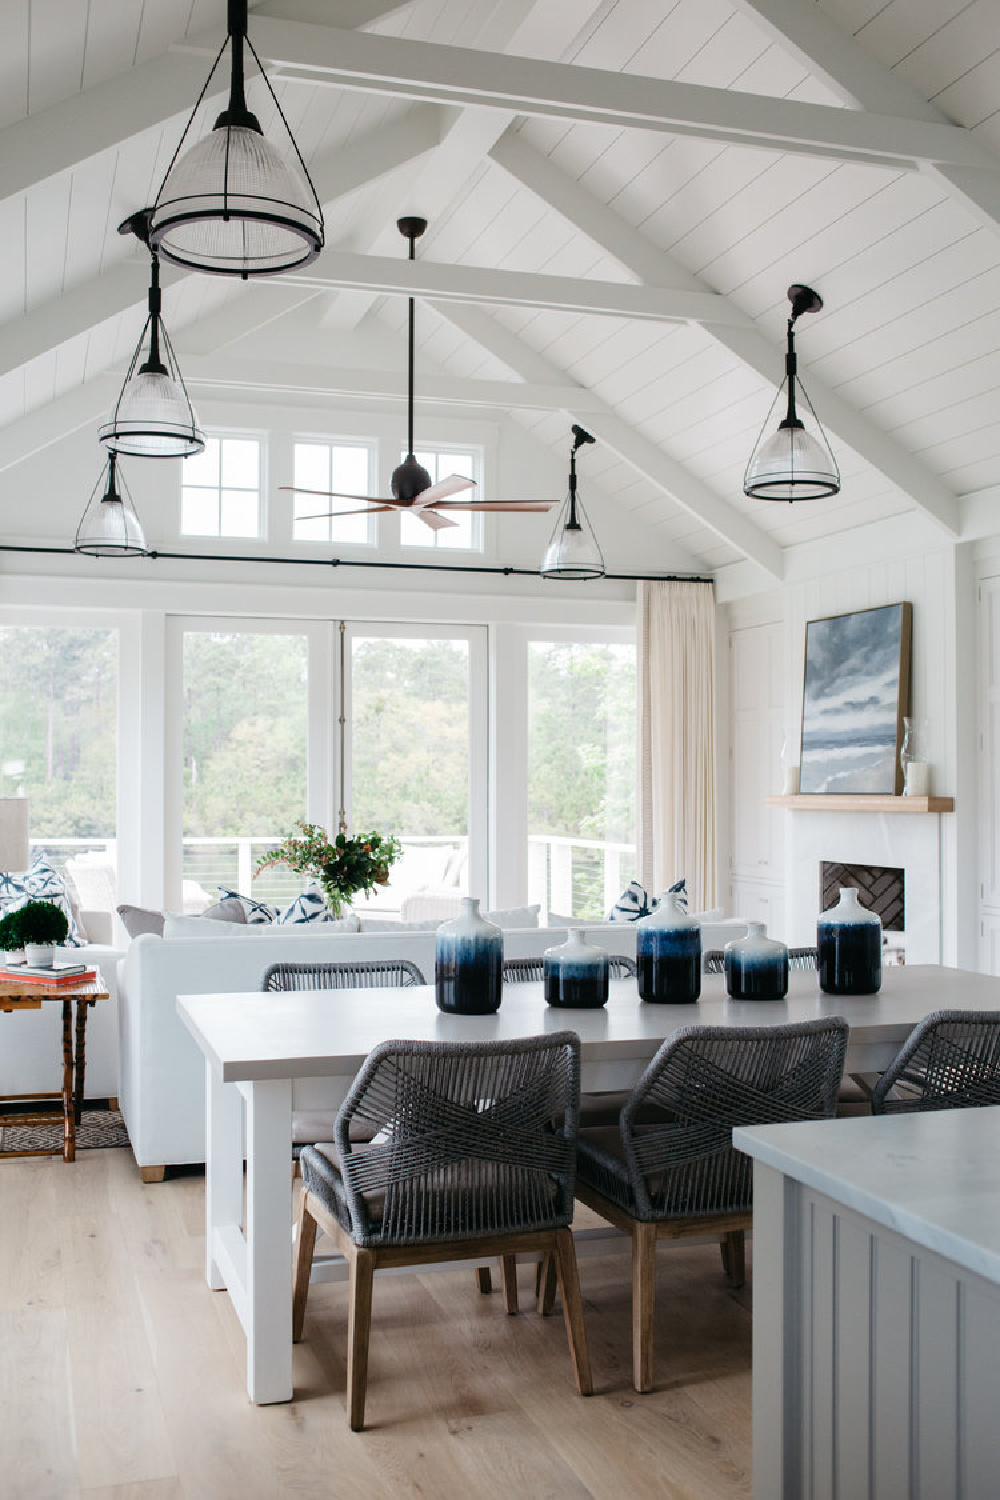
(233, 204)
(793, 463)
(573, 552)
(110, 526)
(153, 416)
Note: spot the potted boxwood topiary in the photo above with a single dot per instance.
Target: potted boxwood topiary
(10, 937)
(40, 925)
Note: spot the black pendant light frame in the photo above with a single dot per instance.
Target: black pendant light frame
(803, 300)
(189, 439)
(238, 115)
(572, 510)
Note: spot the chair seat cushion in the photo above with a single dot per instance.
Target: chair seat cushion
(717, 1181)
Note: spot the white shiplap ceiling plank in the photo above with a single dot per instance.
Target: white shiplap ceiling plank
(14, 69)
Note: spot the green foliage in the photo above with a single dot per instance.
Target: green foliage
(38, 922)
(343, 867)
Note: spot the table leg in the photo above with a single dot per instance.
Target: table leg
(269, 1240)
(223, 1166)
(69, 1103)
(82, 1007)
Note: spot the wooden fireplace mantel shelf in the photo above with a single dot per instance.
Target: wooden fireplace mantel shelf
(806, 802)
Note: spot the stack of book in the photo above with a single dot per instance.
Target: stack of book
(58, 974)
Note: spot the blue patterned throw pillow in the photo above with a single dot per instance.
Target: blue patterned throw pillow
(309, 907)
(256, 912)
(42, 882)
(635, 901)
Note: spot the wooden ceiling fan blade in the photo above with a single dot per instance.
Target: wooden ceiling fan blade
(366, 510)
(514, 506)
(434, 519)
(295, 489)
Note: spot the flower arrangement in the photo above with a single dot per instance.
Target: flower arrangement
(343, 867)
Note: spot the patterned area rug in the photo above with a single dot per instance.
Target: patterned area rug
(98, 1129)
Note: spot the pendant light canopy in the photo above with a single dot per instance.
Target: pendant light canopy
(110, 526)
(573, 552)
(153, 416)
(793, 463)
(233, 204)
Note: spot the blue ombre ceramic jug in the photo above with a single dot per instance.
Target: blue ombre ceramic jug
(668, 954)
(849, 939)
(756, 966)
(576, 973)
(468, 963)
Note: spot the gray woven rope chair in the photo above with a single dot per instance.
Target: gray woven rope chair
(463, 1160)
(370, 974)
(669, 1169)
(950, 1061)
(714, 961)
(310, 1125)
(524, 970)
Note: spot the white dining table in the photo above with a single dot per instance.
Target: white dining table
(257, 1045)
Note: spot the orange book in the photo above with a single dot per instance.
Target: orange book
(51, 978)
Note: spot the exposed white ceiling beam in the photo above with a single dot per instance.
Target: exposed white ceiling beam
(602, 225)
(816, 40)
(237, 376)
(84, 406)
(484, 284)
(669, 476)
(336, 173)
(524, 85)
(98, 118)
(527, 26)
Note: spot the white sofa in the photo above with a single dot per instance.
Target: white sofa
(31, 1040)
(162, 1072)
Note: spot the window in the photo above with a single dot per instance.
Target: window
(220, 489)
(581, 775)
(244, 725)
(346, 467)
(58, 746)
(467, 533)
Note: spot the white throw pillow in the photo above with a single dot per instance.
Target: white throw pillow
(386, 924)
(556, 919)
(715, 915)
(209, 927)
(42, 882)
(514, 916)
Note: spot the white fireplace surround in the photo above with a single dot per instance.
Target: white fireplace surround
(869, 838)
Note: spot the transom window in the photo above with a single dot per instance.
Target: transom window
(467, 534)
(221, 487)
(347, 467)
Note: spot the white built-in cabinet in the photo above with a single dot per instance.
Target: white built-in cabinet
(989, 775)
(757, 722)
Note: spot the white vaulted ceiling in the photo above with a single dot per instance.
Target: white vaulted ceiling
(673, 220)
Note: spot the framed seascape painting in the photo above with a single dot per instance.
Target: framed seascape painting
(857, 689)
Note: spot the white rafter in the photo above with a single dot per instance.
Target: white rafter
(669, 476)
(549, 90)
(820, 45)
(606, 229)
(336, 173)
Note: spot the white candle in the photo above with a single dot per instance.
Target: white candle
(790, 785)
(918, 779)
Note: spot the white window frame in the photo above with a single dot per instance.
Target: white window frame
(478, 811)
(243, 435)
(431, 544)
(341, 440)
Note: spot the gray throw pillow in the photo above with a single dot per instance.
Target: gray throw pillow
(229, 909)
(139, 919)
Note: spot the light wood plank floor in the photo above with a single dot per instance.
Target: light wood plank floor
(122, 1375)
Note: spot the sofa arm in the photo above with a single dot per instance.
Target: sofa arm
(99, 927)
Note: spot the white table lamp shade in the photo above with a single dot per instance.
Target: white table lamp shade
(14, 833)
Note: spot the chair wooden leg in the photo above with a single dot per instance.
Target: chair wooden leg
(643, 1304)
(508, 1282)
(484, 1281)
(572, 1301)
(305, 1240)
(545, 1284)
(359, 1322)
(734, 1257)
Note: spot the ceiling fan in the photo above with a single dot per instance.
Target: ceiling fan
(411, 485)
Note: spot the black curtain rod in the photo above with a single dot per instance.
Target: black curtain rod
(341, 562)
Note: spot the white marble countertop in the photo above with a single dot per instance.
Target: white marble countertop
(934, 1178)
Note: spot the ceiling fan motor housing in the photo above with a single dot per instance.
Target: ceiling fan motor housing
(410, 479)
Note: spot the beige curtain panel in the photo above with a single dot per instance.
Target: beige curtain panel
(675, 631)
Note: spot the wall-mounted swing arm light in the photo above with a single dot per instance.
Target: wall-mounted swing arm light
(793, 463)
(573, 552)
(233, 204)
(153, 416)
(109, 526)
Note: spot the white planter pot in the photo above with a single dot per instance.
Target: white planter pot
(39, 955)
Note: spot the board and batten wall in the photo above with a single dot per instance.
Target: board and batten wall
(765, 669)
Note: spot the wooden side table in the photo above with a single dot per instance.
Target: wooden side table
(20, 995)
